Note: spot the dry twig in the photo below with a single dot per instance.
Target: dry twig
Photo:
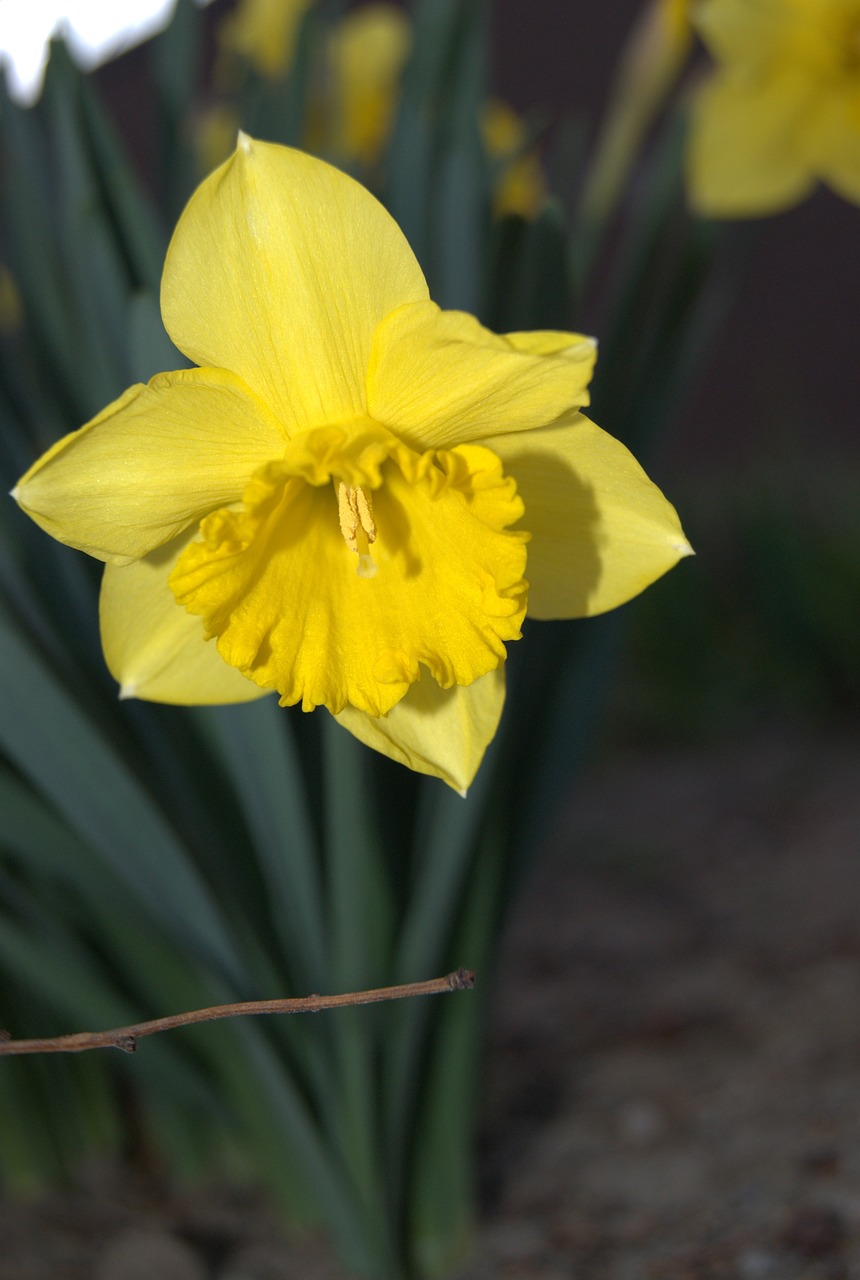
(126, 1038)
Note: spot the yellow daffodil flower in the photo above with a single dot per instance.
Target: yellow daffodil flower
(521, 188)
(355, 495)
(782, 110)
(11, 305)
(264, 32)
(214, 131)
(367, 51)
(364, 55)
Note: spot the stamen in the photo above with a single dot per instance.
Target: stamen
(355, 513)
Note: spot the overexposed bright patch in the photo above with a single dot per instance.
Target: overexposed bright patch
(96, 30)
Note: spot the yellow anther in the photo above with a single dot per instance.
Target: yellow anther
(355, 513)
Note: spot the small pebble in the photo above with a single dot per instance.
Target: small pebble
(640, 1122)
(515, 1240)
(754, 1263)
(140, 1254)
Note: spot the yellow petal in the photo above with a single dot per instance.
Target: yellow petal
(601, 531)
(153, 647)
(439, 377)
(834, 144)
(742, 33)
(337, 598)
(555, 342)
(280, 269)
(149, 464)
(441, 732)
(746, 148)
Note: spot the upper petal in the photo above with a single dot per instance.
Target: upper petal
(438, 378)
(441, 732)
(153, 647)
(155, 460)
(601, 531)
(280, 269)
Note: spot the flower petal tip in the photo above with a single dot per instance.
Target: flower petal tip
(16, 493)
(244, 142)
(127, 691)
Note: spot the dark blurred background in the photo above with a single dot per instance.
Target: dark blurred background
(785, 372)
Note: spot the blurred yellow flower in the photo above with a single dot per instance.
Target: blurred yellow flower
(11, 304)
(341, 501)
(215, 130)
(781, 111)
(674, 16)
(352, 109)
(264, 32)
(521, 187)
(367, 51)
(353, 105)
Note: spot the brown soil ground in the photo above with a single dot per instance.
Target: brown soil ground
(675, 1064)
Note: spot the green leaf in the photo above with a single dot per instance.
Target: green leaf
(150, 350)
(34, 259)
(140, 235)
(256, 745)
(441, 1206)
(447, 827)
(95, 269)
(360, 923)
(529, 284)
(436, 176)
(57, 746)
(286, 1116)
(175, 59)
(278, 110)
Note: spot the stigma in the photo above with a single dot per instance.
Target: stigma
(355, 513)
